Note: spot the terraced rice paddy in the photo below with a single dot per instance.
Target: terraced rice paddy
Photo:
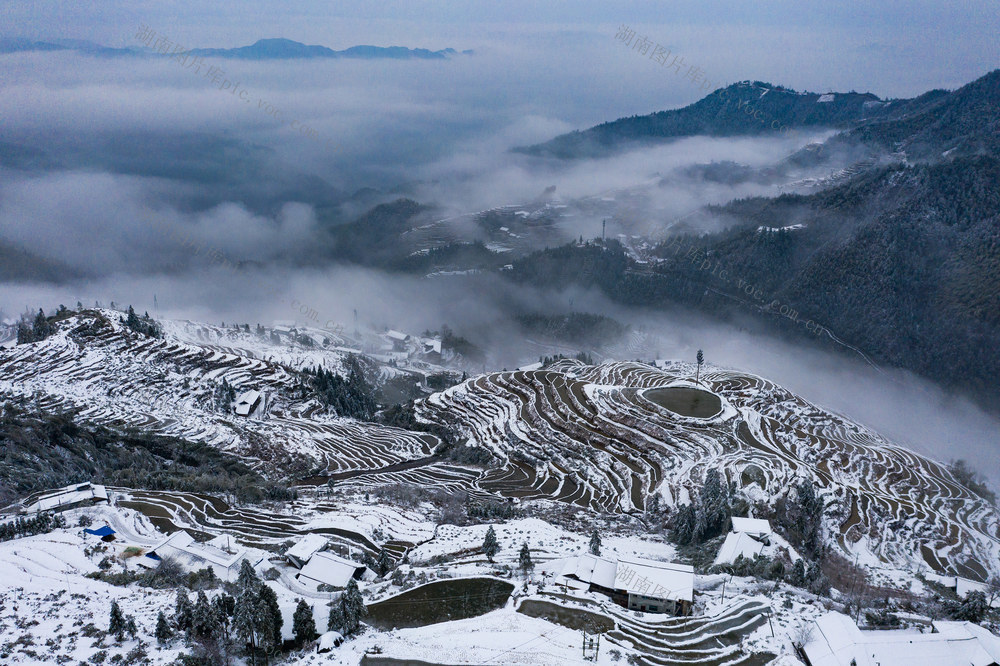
(591, 436)
(712, 640)
(603, 437)
(165, 386)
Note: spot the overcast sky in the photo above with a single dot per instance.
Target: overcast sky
(891, 47)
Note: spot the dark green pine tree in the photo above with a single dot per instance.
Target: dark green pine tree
(701, 359)
(384, 563)
(41, 328)
(353, 607)
(682, 526)
(24, 333)
(182, 612)
(303, 624)
(490, 545)
(204, 619)
(595, 543)
(132, 320)
(271, 614)
(163, 631)
(524, 559)
(117, 623)
(248, 620)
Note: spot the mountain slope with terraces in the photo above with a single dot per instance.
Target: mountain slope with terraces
(605, 438)
(594, 436)
(116, 378)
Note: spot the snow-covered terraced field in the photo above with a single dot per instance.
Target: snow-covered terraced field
(588, 435)
(165, 386)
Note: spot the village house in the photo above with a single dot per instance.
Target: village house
(247, 403)
(399, 340)
(222, 554)
(638, 584)
(300, 553)
(327, 568)
(70, 497)
(836, 641)
(747, 539)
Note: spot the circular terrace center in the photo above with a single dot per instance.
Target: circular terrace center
(685, 401)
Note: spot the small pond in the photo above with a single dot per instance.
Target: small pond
(685, 401)
(440, 601)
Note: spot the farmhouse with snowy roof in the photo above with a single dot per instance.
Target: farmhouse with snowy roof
(329, 569)
(758, 528)
(299, 554)
(70, 497)
(748, 538)
(398, 339)
(247, 403)
(221, 554)
(638, 584)
(836, 641)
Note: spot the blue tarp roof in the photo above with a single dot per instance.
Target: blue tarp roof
(101, 532)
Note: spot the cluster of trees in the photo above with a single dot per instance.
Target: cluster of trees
(350, 396)
(223, 397)
(583, 357)
(404, 415)
(461, 346)
(144, 325)
(800, 574)
(22, 527)
(492, 510)
(120, 624)
(41, 450)
(248, 620)
(707, 515)
(800, 514)
(216, 627)
(347, 611)
(973, 608)
(34, 330)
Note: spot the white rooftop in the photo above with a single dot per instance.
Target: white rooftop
(307, 547)
(837, 641)
(665, 580)
(737, 544)
(330, 569)
(245, 402)
(751, 525)
(78, 492)
(592, 569)
(182, 546)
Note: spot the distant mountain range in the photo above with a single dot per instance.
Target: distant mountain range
(901, 260)
(262, 49)
(758, 108)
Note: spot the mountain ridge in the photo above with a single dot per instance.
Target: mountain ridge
(276, 48)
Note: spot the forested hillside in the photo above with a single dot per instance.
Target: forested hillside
(902, 263)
